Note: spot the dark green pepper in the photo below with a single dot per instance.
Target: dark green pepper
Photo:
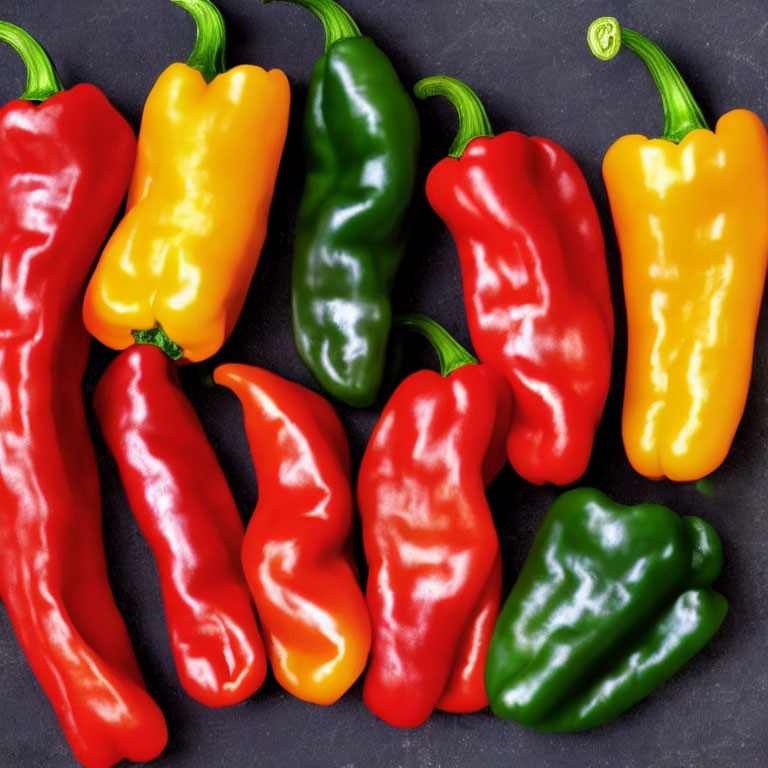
(611, 602)
(361, 136)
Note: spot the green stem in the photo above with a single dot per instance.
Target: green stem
(42, 80)
(473, 119)
(158, 337)
(681, 112)
(450, 353)
(338, 24)
(208, 55)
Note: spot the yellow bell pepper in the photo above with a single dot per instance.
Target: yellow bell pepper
(691, 216)
(177, 269)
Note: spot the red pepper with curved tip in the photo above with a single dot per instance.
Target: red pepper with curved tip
(297, 552)
(535, 282)
(184, 507)
(65, 165)
(434, 581)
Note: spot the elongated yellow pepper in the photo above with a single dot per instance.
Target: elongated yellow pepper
(177, 269)
(692, 223)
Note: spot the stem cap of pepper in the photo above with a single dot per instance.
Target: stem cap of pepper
(604, 37)
(158, 337)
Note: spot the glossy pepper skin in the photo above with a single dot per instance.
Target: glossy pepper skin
(611, 602)
(691, 215)
(181, 500)
(177, 269)
(64, 169)
(297, 552)
(434, 580)
(361, 141)
(535, 281)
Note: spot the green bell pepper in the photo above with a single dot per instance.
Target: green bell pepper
(361, 137)
(611, 602)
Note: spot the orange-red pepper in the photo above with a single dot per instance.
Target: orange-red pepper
(297, 552)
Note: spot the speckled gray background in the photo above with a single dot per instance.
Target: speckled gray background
(529, 62)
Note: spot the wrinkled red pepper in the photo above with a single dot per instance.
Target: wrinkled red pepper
(298, 549)
(65, 165)
(535, 280)
(183, 504)
(434, 581)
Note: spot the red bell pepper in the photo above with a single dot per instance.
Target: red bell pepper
(434, 580)
(535, 279)
(298, 550)
(65, 165)
(183, 504)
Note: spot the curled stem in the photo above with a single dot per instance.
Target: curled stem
(473, 119)
(42, 80)
(450, 353)
(338, 24)
(208, 55)
(682, 114)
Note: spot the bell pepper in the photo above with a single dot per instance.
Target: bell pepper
(65, 165)
(297, 552)
(434, 579)
(182, 502)
(535, 281)
(611, 602)
(361, 139)
(176, 271)
(691, 215)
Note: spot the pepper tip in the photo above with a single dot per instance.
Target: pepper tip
(604, 37)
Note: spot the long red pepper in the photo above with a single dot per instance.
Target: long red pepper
(64, 168)
(183, 504)
(434, 580)
(535, 282)
(298, 550)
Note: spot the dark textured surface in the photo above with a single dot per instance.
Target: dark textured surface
(529, 62)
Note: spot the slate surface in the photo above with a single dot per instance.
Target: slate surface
(529, 62)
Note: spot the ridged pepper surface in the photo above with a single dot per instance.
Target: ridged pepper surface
(177, 269)
(182, 502)
(611, 602)
(297, 552)
(691, 216)
(65, 165)
(434, 579)
(180, 263)
(361, 142)
(535, 280)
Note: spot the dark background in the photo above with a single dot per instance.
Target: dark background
(529, 62)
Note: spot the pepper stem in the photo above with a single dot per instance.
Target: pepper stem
(42, 80)
(338, 24)
(158, 337)
(208, 55)
(473, 119)
(451, 354)
(681, 112)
